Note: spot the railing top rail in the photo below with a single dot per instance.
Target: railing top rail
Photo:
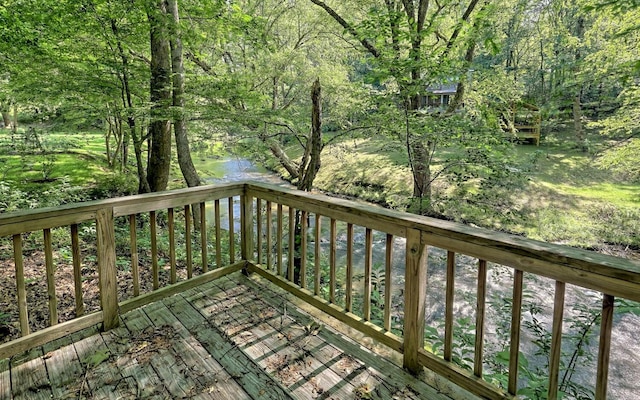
(585, 267)
(613, 275)
(30, 220)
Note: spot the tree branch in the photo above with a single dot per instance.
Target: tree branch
(367, 45)
(458, 29)
(343, 133)
(199, 62)
(140, 57)
(422, 13)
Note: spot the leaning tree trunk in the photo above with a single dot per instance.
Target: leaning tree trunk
(159, 162)
(314, 145)
(309, 167)
(180, 130)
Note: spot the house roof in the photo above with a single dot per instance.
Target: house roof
(449, 88)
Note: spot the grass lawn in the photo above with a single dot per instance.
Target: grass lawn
(567, 199)
(73, 164)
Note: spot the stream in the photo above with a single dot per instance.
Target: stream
(580, 305)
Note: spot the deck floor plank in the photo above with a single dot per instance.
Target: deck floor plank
(248, 374)
(288, 359)
(102, 376)
(63, 368)
(29, 377)
(231, 338)
(136, 354)
(196, 359)
(5, 379)
(383, 378)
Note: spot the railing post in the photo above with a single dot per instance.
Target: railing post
(414, 300)
(246, 221)
(107, 268)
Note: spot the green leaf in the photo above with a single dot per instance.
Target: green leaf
(97, 358)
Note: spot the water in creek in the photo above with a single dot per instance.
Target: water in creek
(624, 374)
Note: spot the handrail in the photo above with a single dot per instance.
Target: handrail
(612, 276)
(589, 269)
(101, 216)
(281, 258)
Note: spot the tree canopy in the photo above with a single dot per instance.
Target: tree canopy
(249, 66)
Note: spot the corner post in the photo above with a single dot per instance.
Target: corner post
(107, 268)
(414, 300)
(246, 221)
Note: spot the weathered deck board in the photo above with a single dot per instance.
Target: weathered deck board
(29, 378)
(227, 339)
(145, 353)
(99, 374)
(63, 367)
(5, 381)
(245, 371)
(195, 358)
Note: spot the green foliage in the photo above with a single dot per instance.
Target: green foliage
(623, 160)
(96, 358)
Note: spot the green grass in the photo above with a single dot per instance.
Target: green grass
(72, 167)
(567, 199)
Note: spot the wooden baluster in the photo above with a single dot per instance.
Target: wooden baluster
(51, 279)
(449, 302)
(415, 287)
(172, 247)
(292, 244)
(388, 283)
(480, 313)
(22, 292)
(107, 276)
(135, 270)
(203, 237)
(316, 256)
(516, 318)
(303, 249)
(269, 234)
(349, 278)
(279, 238)
(216, 206)
(259, 228)
(332, 262)
(246, 218)
(154, 250)
(77, 270)
(556, 341)
(368, 264)
(232, 236)
(187, 240)
(604, 349)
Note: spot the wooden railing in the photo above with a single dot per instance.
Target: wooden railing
(99, 220)
(306, 244)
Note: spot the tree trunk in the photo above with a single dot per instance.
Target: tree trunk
(577, 106)
(143, 183)
(127, 103)
(180, 130)
(419, 161)
(421, 171)
(577, 122)
(14, 124)
(6, 119)
(314, 145)
(159, 163)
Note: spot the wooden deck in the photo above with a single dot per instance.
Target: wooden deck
(227, 339)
